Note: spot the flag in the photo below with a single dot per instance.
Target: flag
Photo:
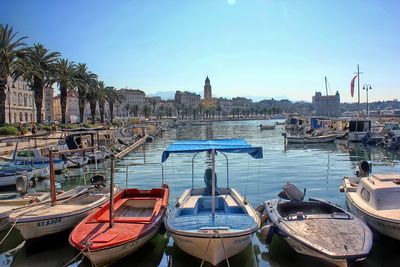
(352, 86)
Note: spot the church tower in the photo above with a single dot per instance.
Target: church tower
(207, 90)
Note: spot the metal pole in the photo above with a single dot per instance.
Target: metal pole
(358, 79)
(213, 183)
(52, 180)
(112, 193)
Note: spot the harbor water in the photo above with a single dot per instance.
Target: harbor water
(319, 168)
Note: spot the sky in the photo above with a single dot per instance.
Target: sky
(271, 48)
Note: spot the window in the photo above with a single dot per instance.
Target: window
(365, 194)
(25, 100)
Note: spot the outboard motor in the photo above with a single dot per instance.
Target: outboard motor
(208, 180)
(22, 185)
(98, 181)
(364, 169)
(291, 192)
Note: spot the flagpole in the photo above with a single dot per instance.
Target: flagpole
(358, 79)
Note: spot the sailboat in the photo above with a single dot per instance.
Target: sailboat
(212, 223)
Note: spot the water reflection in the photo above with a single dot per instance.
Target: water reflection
(319, 168)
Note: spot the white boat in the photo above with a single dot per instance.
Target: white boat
(310, 139)
(33, 156)
(266, 127)
(358, 129)
(46, 218)
(10, 172)
(9, 202)
(317, 228)
(375, 199)
(76, 161)
(212, 223)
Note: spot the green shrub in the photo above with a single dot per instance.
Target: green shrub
(8, 130)
(44, 127)
(87, 125)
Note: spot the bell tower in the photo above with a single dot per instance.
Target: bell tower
(207, 89)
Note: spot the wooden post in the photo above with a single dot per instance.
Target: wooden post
(112, 193)
(52, 180)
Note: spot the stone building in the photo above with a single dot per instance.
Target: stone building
(20, 104)
(207, 90)
(187, 99)
(132, 97)
(326, 105)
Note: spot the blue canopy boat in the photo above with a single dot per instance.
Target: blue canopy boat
(212, 223)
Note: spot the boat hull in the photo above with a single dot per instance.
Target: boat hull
(384, 227)
(213, 250)
(106, 256)
(310, 140)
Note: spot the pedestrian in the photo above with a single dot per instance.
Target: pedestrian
(33, 129)
(21, 128)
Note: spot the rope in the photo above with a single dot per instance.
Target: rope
(205, 253)
(74, 258)
(9, 231)
(223, 247)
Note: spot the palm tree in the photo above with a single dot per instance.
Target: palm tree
(101, 98)
(65, 77)
(112, 97)
(92, 95)
(86, 80)
(10, 49)
(38, 68)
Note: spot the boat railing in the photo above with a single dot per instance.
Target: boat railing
(141, 164)
(227, 168)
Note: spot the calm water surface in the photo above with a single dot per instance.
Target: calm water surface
(319, 168)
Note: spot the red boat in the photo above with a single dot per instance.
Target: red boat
(138, 215)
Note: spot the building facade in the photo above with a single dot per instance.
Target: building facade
(187, 99)
(20, 103)
(207, 89)
(132, 97)
(326, 105)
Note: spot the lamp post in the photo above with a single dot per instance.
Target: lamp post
(367, 87)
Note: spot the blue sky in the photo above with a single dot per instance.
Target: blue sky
(247, 47)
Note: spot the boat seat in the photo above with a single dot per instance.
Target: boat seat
(127, 215)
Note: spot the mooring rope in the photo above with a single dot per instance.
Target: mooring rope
(9, 231)
(205, 253)
(223, 247)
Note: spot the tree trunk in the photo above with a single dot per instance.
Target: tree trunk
(3, 84)
(111, 107)
(38, 85)
(101, 110)
(93, 110)
(81, 104)
(63, 101)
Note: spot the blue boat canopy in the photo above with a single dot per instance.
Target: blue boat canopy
(223, 145)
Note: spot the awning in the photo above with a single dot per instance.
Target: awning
(223, 145)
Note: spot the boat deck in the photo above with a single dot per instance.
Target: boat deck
(195, 214)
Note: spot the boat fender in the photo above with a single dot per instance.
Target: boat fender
(260, 208)
(22, 185)
(267, 232)
(264, 217)
(341, 189)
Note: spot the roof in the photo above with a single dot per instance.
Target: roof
(222, 145)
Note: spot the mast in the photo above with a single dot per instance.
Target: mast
(327, 96)
(111, 219)
(358, 79)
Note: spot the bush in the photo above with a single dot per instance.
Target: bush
(44, 127)
(87, 125)
(8, 130)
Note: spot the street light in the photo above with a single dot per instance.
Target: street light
(367, 87)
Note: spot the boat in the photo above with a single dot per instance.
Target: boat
(357, 129)
(212, 223)
(316, 228)
(374, 198)
(56, 216)
(310, 139)
(10, 171)
(266, 127)
(21, 198)
(137, 217)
